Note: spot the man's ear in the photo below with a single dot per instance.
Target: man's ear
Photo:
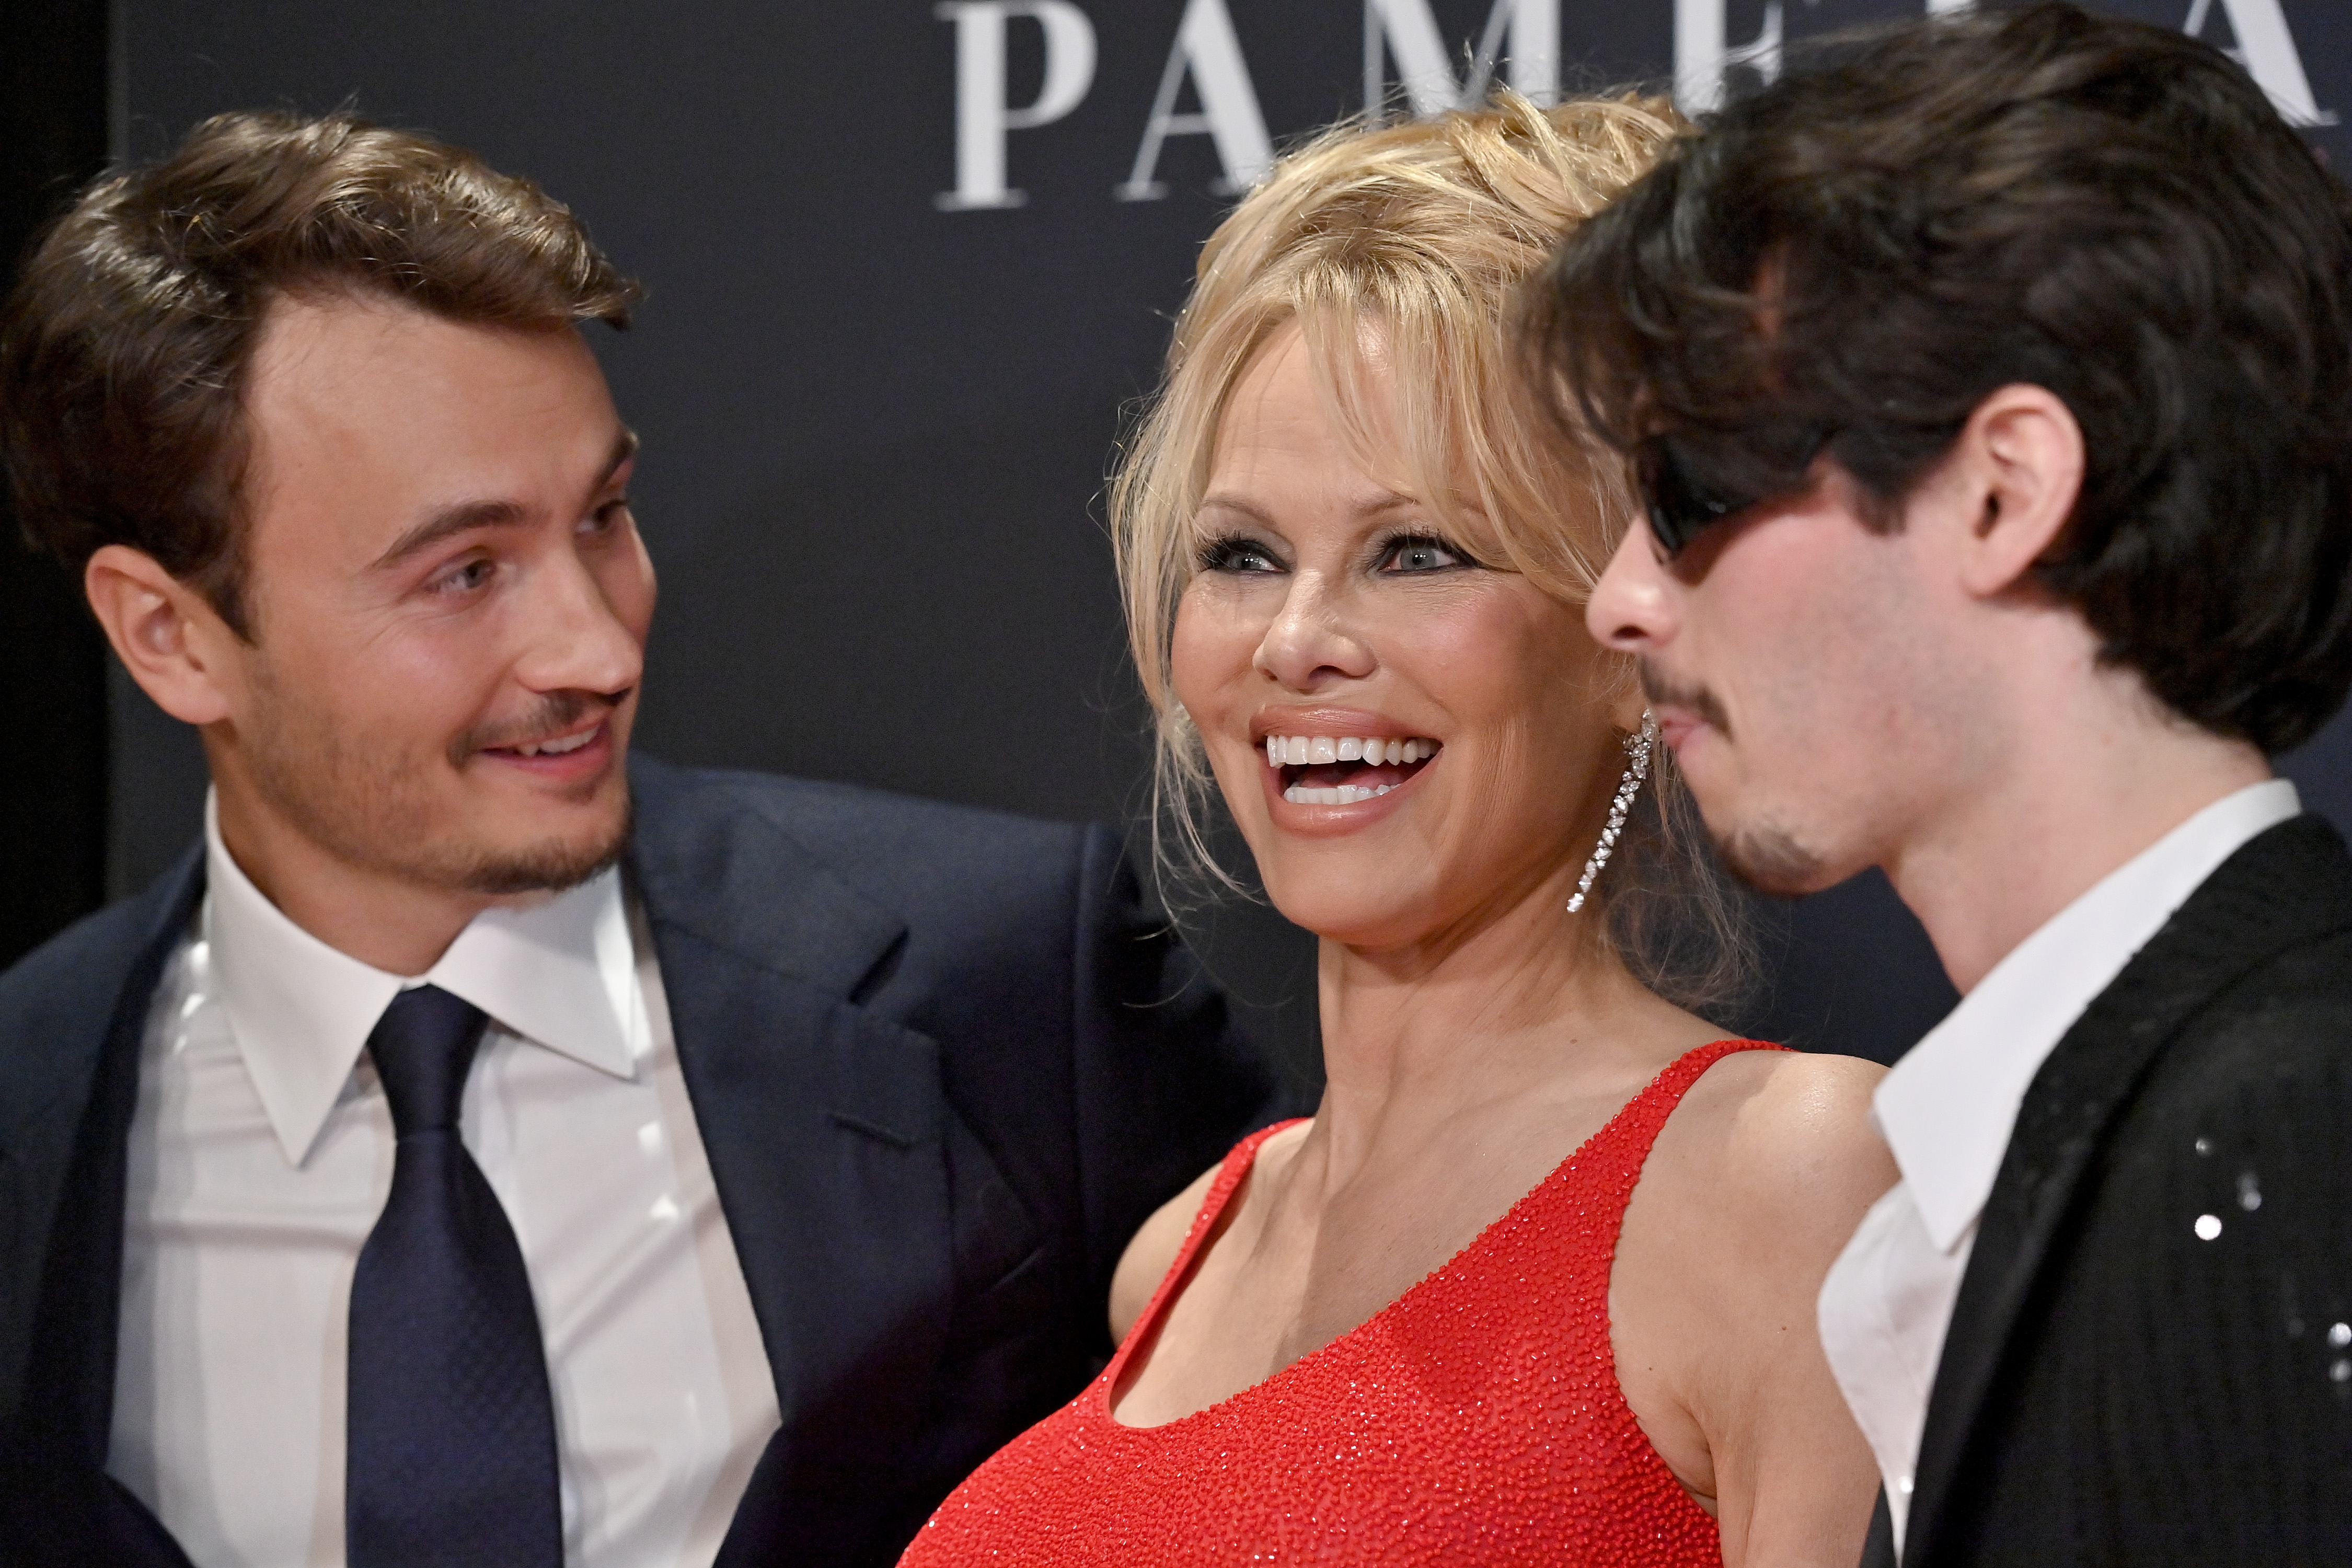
(167, 634)
(2020, 459)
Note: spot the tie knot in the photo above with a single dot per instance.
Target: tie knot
(423, 1047)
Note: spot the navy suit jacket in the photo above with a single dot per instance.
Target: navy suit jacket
(943, 1061)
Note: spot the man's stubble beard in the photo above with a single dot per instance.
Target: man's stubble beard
(1768, 857)
(372, 807)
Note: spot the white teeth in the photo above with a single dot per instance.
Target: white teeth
(556, 748)
(1339, 794)
(1302, 751)
(1306, 751)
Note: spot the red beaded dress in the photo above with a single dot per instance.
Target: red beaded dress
(1474, 1419)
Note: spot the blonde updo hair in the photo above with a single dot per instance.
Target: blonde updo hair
(1425, 230)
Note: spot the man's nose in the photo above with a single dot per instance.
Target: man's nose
(1632, 608)
(578, 638)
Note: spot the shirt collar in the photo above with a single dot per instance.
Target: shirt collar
(559, 971)
(1948, 1107)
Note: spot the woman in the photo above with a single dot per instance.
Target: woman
(1440, 1323)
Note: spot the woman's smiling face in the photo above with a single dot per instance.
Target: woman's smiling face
(1410, 739)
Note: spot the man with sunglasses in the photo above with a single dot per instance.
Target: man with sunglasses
(1990, 385)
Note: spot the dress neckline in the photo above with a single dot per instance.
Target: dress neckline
(1227, 1187)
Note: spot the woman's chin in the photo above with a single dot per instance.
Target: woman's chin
(1350, 914)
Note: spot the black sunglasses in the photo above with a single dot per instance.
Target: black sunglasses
(1679, 506)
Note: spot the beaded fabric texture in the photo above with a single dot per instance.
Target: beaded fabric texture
(1477, 1418)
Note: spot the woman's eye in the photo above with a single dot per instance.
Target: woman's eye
(605, 518)
(1238, 555)
(1421, 555)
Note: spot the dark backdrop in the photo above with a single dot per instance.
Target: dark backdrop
(879, 380)
(53, 804)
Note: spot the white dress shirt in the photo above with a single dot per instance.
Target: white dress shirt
(1946, 1110)
(261, 1152)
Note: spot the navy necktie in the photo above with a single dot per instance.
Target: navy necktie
(451, 1427)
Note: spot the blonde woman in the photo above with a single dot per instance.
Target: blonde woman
(1536, 1284)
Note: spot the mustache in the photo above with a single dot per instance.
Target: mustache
(1665, 691)
(557, 711)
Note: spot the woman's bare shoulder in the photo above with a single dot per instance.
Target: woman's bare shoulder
(1152, 1251)
(1784, 1140)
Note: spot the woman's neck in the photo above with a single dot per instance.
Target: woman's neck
(1480, 1014)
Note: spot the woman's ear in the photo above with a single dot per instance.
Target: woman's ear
(2020, 459)
(167, 634)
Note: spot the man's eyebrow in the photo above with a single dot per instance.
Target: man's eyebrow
(465, 516)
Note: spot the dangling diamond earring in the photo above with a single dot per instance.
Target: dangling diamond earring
(1637, 768)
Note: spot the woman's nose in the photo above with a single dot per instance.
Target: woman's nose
(1310, 643)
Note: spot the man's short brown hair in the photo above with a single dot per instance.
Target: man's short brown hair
(125, 346)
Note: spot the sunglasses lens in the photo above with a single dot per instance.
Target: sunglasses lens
(1677, 507)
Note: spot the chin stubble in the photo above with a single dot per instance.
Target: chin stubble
(1769, 861)
(546, 868)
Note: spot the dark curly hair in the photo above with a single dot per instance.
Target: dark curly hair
(1869, 247)
(124, 347)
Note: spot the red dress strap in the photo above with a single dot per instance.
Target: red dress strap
(1232, 1172)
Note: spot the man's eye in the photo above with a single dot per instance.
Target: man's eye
(1238, 555)
(468, 576)
(605, 518)
(1421, 554)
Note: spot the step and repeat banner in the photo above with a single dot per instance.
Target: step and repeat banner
(911, 265)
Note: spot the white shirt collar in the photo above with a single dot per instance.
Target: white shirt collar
(558, 972)
(1948, 1107)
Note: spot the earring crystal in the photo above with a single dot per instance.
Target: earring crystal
(1638, 747)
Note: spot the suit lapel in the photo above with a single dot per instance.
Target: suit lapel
(2288, 885)
(823, 1122)
(70, 1387)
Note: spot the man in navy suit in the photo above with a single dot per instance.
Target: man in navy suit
(482, 1148)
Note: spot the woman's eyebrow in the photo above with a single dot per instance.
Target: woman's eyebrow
(1225, 501)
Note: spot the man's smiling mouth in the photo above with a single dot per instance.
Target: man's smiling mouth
(556, 748)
